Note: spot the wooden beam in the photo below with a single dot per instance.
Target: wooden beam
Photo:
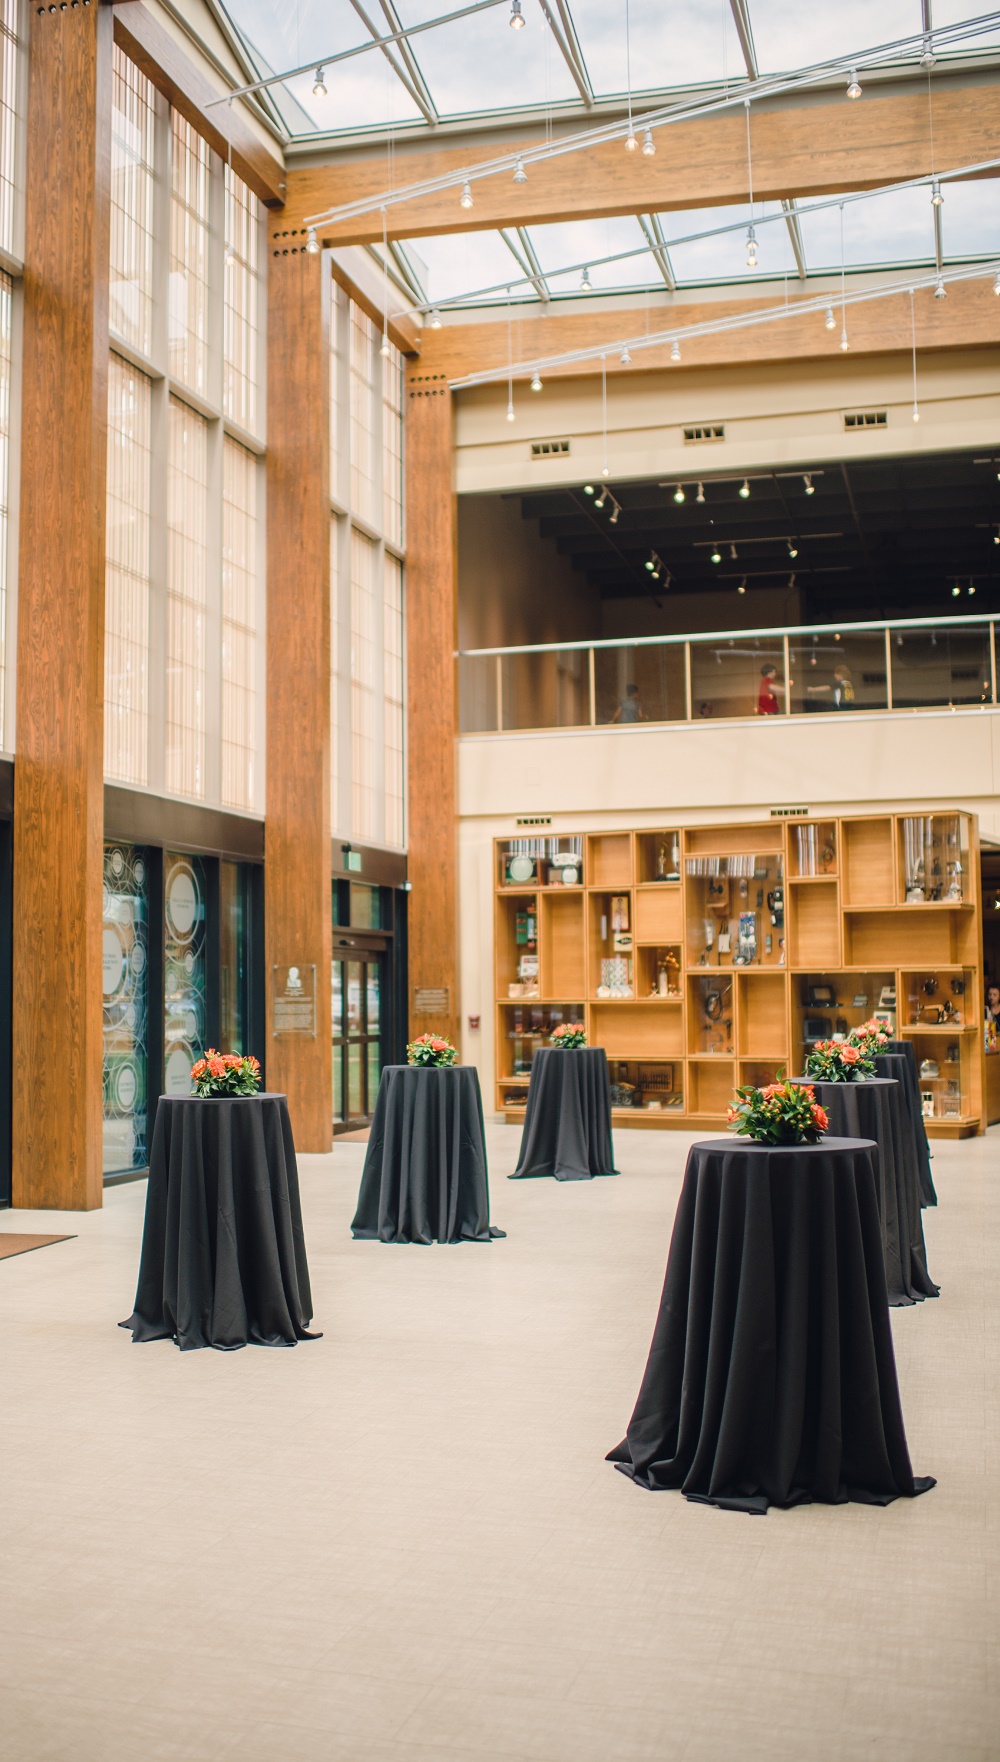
(297, 897)
(182, 81)
(807, 145)
(58, 777)
(432, 699)
(968, 318)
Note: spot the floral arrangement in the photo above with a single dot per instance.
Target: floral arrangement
(225, 1073)
(430, 1049)
(837, 1061)
(872, 1037)
(781, 1113)
(568, 1035)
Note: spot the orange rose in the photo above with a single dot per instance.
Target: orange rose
(820, 1117)
(850, 1055)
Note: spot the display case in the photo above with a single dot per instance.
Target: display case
(645, 947)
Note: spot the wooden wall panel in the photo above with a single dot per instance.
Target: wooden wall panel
(58, 780)
(432, 701)
(803, 145)
(297, 826)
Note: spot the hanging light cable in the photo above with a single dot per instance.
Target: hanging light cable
(630, 141)
(844, 344)
(913, 346)
(604, 415)
(312, 245)
(510, 365)
(386, 348)
(751, 235)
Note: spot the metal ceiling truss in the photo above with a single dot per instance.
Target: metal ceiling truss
(523, 253)
(564, 32)
(653, 232)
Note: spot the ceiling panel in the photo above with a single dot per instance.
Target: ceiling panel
(894, 228)
(582, 241)
(970, 219)
(788, 34)
(479, 64)
(461, 263)
(673, 43)
(725, 258)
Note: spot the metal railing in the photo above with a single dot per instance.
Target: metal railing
(893, 665)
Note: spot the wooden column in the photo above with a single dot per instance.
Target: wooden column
(297, 876)
(432, 701)
(58, 776)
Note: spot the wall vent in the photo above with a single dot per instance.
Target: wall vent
(533, 820)
(713, 432)
(548, 449)
(866, 419)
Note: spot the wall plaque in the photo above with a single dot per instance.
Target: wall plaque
(294, 1000)
(432, 1000)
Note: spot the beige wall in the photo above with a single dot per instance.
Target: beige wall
(689, 775)
(513, 585)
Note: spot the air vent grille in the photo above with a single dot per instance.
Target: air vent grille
(713, 432)
(866, 419)
(549, 449)
(533, 820)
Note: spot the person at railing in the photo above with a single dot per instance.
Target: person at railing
(630, 709)
(842, 689)
(770, 684)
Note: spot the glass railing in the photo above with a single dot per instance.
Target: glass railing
(908, 664)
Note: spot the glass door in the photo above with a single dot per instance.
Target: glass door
(356, 1009)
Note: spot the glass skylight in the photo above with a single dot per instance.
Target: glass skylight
(893, 228)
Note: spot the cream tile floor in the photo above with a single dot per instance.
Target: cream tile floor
(402, 1543)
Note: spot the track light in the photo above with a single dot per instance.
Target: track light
(829, 320)
(630, 141)
(435, 320)
(615, 511)
(516, 19)
(751, 248)
(586, 285)
(536, 382)
(655, 564)
(996, 536)
(520, 175)
(928, 58)
(625, 358)
(956, 590)
(588, 489)
(650, 565)
(744, 489)
(465, 199)
(971, 588)
(648, 143)
(675, 350)
(853, 84)
(700, 497)
(386, 348)
(936, 196)
(810, 487)
(319, 84)
(679, 495)
(312, 245)
(916, 412)
(742, 586)
(940, 291)
(602, 498)
(732, 553)
(510, 410)
(716, 555)
(793, 549)
(844, 344)
(791, 579)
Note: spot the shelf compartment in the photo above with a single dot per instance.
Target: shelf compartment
(924, 991)
(658, 855)
(646, 1086)
(561, 943)
(934, 859)
(647, 972)
(767, 838)
(711, 1086)
(812, 850)
(814, 1020)
(711, 1014)
(659, 913)
(761, 1071)
(913, 933)
(609, 860)
(516, 936)
(813, 924)
(761, 1015)
(868, 862)
(629, 1029)
(601, 937)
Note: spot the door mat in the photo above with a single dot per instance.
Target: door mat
(23, 1244)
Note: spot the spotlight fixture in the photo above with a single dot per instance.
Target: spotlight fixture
(928, 58)
(648, 143)
(602, 498)
(829, 320)
(700, 497)
(996, 536)
(742, 586)
(615, 511)
(625, 358)
(319, 84)
(793, 549)
(810, 487)
(744, 489)
(588, 489)
(650, 564)
(465, 199)
(751, 247)
(956, 590)
(936, 196)
(536, 382)
(971, 587)
(791, 579)
(516, 19)
(630, 141)
(510, 410)
(854, 84)
(675, 350)
(679, 495)
(844, 344)
(916, 412)
(386, 347)
(520, 175)
(716, 555)
(605, 472)
(312, 245)
(655, 565)
(586, 285)
(940, 291)
(435, 319)
(732, 553)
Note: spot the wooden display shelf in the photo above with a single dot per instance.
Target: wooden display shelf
(847, 927)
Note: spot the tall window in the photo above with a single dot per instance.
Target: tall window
(241, 295)
(392, 445)
(132, 140)
(335, 816)
(6, 307)
(126, 600)
(8, 120)
(363, 555)
(187, 599)
(362, 416)
(239, 624)
(188, 311)
(393, 699)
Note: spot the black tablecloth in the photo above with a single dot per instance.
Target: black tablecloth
(223, 1255)
(567, 1123)
(900, 1061)
(425, 1177)
(771, 1378)
(871, 1109)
